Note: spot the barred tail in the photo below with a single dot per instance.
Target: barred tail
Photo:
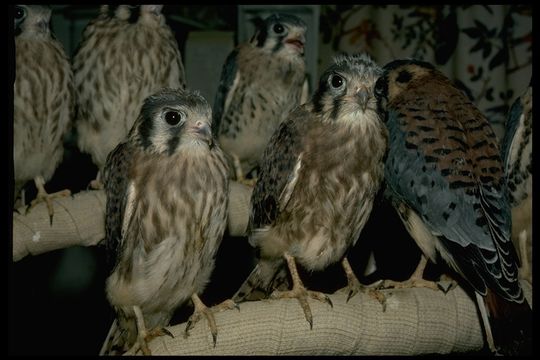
(111, 341)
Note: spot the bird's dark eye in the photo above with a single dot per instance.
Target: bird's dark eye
(336, 81)
(20, 12)
(278, 28)
(173, 117)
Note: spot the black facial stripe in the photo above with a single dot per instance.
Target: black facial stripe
(145, 129)
(318, 96)
(336, 107)
(279, 44)
(175, 132)
(261, 37)
(173, 143)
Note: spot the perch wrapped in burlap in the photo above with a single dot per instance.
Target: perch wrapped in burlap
(416, 321)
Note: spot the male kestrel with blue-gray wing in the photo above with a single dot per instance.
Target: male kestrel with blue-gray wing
(445, 178)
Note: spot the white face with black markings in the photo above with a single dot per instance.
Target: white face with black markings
(172, 119)
(346, 88)
(281, 32)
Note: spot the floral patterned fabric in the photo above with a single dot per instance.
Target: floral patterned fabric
(486, 49)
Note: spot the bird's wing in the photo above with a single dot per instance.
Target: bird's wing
(513, 122)
(280, 166)
(433, 168)
(305, 91)
(229, 78)
(516, 148)
(115, 178)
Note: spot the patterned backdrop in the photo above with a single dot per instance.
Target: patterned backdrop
(487, 49)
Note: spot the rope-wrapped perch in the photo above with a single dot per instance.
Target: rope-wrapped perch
(416, 321)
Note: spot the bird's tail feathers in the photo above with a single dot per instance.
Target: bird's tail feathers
(265, 277)
(121, 337)
(112, 343)
(511, 324)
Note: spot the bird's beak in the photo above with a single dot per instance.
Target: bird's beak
(297, 39)
(204, 131)
(363, 97)
(43, 25)
(155, 9)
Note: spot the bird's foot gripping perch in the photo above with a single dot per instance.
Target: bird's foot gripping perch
(239, 172)
(201, 309)
(300, 292)
(43, 196)
(416, 279)
(145, 336)
(354, 285)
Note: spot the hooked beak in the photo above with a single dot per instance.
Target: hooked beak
(43, 25)
(204, 131)
(297, 40)
(363, 97)
(154, 9)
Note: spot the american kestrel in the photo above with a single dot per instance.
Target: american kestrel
(43, 101)
(319, 175)
(517, 157)
(166, 212)
(445, 178)
(125, 55)
(262, 81)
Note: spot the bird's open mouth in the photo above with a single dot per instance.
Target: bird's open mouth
(295, 42)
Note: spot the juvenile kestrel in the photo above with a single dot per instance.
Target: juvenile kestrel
(125, 55)
(262, 81)
(319, 175)
(166, 213)
(445, 178)
(43, 101)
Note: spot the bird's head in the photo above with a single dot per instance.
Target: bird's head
(346, 88)
(397, 77)
(174, 119)
(32, 20)
(280, 33)
(151, 14)
(129, 13)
